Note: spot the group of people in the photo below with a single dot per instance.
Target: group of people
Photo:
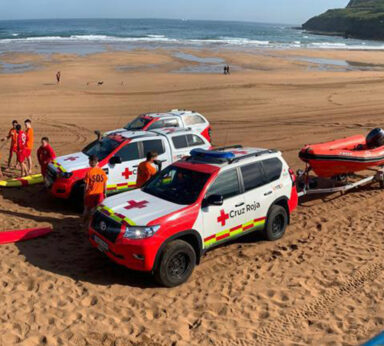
(21, 147)
(226, 69)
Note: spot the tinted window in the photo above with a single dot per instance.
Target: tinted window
(101, 148)
(180, 141)
(139, 123)
(193, 120)
(153, 145)
(164, 123)
(226, 184)
(252, 176)
(177, 185)
(194, 140)
(129, 152)
(272, 169)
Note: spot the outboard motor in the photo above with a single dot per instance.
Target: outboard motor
(375, 138)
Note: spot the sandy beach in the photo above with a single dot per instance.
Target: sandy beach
(321, 284)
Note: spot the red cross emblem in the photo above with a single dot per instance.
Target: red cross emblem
(72, 158)
(239, 152)
(223, 217)
(134, 204)
(127, 173)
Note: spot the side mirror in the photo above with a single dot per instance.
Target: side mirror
(115, 160)
(216, 200)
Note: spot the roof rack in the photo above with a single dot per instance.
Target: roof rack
(263, 152)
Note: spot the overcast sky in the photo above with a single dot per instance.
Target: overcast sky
(270, 11)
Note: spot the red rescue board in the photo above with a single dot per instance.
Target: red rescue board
(24, 234)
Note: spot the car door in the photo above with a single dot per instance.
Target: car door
(258, 193)
(159, 146)
(122, 176)
(227, 220)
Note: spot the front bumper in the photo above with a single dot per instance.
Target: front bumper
(137, 254)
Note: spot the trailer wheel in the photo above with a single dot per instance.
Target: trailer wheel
(176, 264)
(277, 222)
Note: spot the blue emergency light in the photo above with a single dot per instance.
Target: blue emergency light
(212, 154)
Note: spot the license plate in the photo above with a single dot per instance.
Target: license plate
(101, 244)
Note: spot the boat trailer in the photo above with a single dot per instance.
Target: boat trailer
(307, 185)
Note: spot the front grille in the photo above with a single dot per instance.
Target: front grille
(51, 173)
(105, 226)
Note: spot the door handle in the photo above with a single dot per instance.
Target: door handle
(135, 166)
(239, 205)
(268, 193)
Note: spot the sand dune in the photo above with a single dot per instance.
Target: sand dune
(320, 284)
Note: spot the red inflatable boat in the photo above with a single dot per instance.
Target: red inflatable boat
(347, 155)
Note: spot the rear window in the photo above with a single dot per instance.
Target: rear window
(180, 142)
(194, 140)
(193, 120)
(272, 169)
(253, 176)
(155, 145)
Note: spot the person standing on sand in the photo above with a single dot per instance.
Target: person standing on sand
(45, 155)
(29, 144)
(21, 143)
(146, 169)
(95, 189)
(228, 70)
(58, 77)
(12, 135)
(225, 69)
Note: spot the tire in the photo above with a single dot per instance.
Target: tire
(277, 222)
(176, 265)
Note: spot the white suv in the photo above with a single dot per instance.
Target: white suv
(193, 205)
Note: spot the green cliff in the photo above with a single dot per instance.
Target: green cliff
(360, 19)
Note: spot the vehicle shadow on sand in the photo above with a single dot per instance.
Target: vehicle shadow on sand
(67, 251)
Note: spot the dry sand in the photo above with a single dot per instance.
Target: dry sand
(321, 284)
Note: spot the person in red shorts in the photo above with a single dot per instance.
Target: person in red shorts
(95, 189)
(45, 155)
(20, 152)
(12, 135)
(29, 144)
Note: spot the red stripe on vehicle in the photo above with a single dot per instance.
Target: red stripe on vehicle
(210, 237)
(223, 236)
(248, 227)
(235, 228)
(261, 219)
(122, 184)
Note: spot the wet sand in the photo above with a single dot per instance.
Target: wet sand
(320, 284)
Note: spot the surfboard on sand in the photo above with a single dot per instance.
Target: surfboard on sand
(25, 181)
(23, 234)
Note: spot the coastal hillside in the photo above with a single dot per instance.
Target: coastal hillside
(360, 19)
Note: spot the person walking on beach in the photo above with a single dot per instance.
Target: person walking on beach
(58, 77)
(228, 70)
(12, 135)
(29, 144)
(225, 69)
(20, 153)
(45, 155)
(95, 189)
(146, 169)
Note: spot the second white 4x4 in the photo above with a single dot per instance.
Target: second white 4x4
(194, 205)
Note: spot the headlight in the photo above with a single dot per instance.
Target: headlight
(140, 232)
(65, 175)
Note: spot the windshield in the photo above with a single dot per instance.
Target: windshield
(138, 124)
(177, 185)
(101, 148)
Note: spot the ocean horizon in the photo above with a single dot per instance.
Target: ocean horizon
(85, 36)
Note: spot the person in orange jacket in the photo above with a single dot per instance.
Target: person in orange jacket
(12, 135)
(29, 144)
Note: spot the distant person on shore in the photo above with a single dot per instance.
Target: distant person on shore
(58, 77)
(21, 143)
(147, 169)
(228, 72)
(45, 155)
(29, 144)
(12, 135)
(225, 69)
(95, 189)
